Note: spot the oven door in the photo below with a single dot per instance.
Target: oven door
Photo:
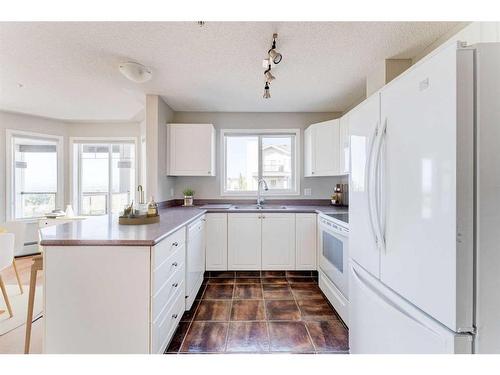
(333, 256)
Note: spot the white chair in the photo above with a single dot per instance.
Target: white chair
(18, 228)
(6, 258)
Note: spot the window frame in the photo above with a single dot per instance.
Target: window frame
(10, 190)
(75, 165)
(296, 153)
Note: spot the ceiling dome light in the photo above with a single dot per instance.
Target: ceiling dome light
(267, 94)
(135, 72)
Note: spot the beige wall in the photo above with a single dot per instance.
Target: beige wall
(209, 187)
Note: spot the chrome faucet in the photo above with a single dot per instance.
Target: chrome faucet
(260, 200)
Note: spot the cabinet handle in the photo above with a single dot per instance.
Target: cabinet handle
(203, 219)
(175, 244)
(312, 172)
(175, 285)
(208, 172)
(263, 217)
(174, 316)
(175, 264)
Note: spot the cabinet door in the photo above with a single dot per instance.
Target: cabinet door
(308, 151)
(278, 241)
(244, 241)
(192, 150)
(344, 145)
(305, 241)
(326, 149)
(216, 250)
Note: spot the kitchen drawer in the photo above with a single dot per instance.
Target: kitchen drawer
(164, 295)
(164, 328)
(166, 269)
(168, 246)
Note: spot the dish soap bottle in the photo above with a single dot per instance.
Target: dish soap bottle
(152, 208)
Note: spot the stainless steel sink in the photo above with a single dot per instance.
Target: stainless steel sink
(265, 207)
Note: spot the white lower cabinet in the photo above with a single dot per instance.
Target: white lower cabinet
(195, 259)
(305, 241)
(216, 238)
(244, 241)
(278, 241)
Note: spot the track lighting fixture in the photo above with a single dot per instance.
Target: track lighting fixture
(274, 57)
(267, 94)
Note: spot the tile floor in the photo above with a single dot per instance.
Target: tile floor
(260, 312)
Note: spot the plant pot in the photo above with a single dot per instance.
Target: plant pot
(188, 200)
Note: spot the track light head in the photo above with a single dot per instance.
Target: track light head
(267, 94)
(275, 56)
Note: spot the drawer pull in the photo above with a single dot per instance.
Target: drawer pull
(174, 316)
(175, 264)
(175, 285)
(175, 244)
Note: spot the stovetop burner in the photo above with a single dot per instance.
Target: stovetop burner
(343, 216)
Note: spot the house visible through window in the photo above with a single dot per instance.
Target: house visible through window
(106, 177)
(34, 177)
(249, 157)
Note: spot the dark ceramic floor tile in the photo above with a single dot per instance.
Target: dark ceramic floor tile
(176, 342)
(188, 315)
(224, 274)
(266, 274)
(245, 274)
(248, 310)
(282, 310)
(298, 274)
(247, 337)
(329, 336)
(248, 280)
(289, 337)
(306, 291)
(248, 291)
(301, 280)
(220, 280)
(277, 291)
(275, 280)
(205, 337)
(314, 309)
(219, 291)
(213, 310)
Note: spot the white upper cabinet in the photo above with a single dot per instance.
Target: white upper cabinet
(344, 145)
(322, 149)
(191, 150)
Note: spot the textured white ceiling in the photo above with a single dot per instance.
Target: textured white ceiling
(69, 70)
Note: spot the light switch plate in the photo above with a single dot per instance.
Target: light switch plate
(171, 192)
(307, 191)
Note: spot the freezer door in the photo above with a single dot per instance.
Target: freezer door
(428, 184)
(363, 124)
(380, 321)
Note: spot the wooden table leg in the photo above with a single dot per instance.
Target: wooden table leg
(17, 277)
(37, 265)
(6, 297)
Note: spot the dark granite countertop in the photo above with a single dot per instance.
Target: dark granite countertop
(105, 230)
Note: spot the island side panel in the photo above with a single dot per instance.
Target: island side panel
(97, 299)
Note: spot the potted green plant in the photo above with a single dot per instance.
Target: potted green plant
(188, 196)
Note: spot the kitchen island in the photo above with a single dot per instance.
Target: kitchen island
(111, 288)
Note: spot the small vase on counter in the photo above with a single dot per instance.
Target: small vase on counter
(188, 197)
(152, 208)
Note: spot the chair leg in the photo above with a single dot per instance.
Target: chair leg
(31, 302)
(17, 277)
(6, 297)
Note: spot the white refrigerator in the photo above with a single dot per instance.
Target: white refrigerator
(424, 208)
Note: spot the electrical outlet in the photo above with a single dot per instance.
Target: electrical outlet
(171, 192)
(307, 191)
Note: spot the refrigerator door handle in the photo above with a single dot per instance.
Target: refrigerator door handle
(376, 203)
(369, 180)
